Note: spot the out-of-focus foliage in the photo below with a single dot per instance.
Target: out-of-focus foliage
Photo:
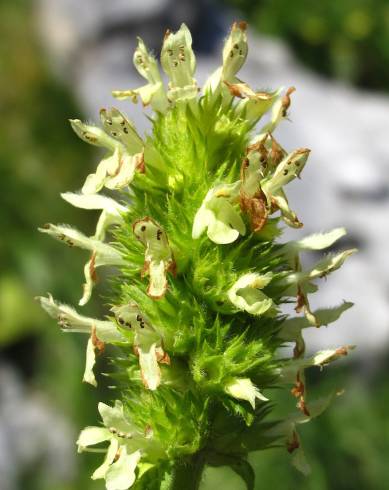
(38, 157)
(347, 447)
(348, 39)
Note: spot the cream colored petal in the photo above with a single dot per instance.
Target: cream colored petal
(122, 129)
(94, 201)
(89, 376)
(158, 282)
(105, 170)
(125, 173)
(287, 214)
(177, 57)
(245, 294)
(112, 451)
(234, 51)
(330, 263)
(289, 371)
(91, 436)
(121, 474)
(114, 417)
(221, 233)
(72, 321)
(89, 273)
(244, 389)
(292, 327)
(226, 213)
(151, 373)
(92, 134)
(201, 221)
(318, 241)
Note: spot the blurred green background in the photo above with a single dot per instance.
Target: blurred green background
(347, 39)
(348, 446)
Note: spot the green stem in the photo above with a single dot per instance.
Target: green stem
(187, 474)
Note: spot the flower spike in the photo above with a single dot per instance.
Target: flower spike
(209, 190)
(158, 255)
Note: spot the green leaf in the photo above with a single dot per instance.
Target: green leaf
(244, 469)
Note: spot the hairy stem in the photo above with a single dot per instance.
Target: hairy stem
(188, 474)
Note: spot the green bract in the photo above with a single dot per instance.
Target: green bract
(196, 310)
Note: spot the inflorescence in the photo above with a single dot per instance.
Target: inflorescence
(196, 312)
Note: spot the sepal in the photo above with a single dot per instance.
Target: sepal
(279, 112)
(254, 104)
(288, 372)
(291, 329)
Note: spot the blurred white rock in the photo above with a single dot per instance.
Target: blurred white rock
(33, 434)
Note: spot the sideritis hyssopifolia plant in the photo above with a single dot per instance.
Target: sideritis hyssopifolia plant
(196, 309)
